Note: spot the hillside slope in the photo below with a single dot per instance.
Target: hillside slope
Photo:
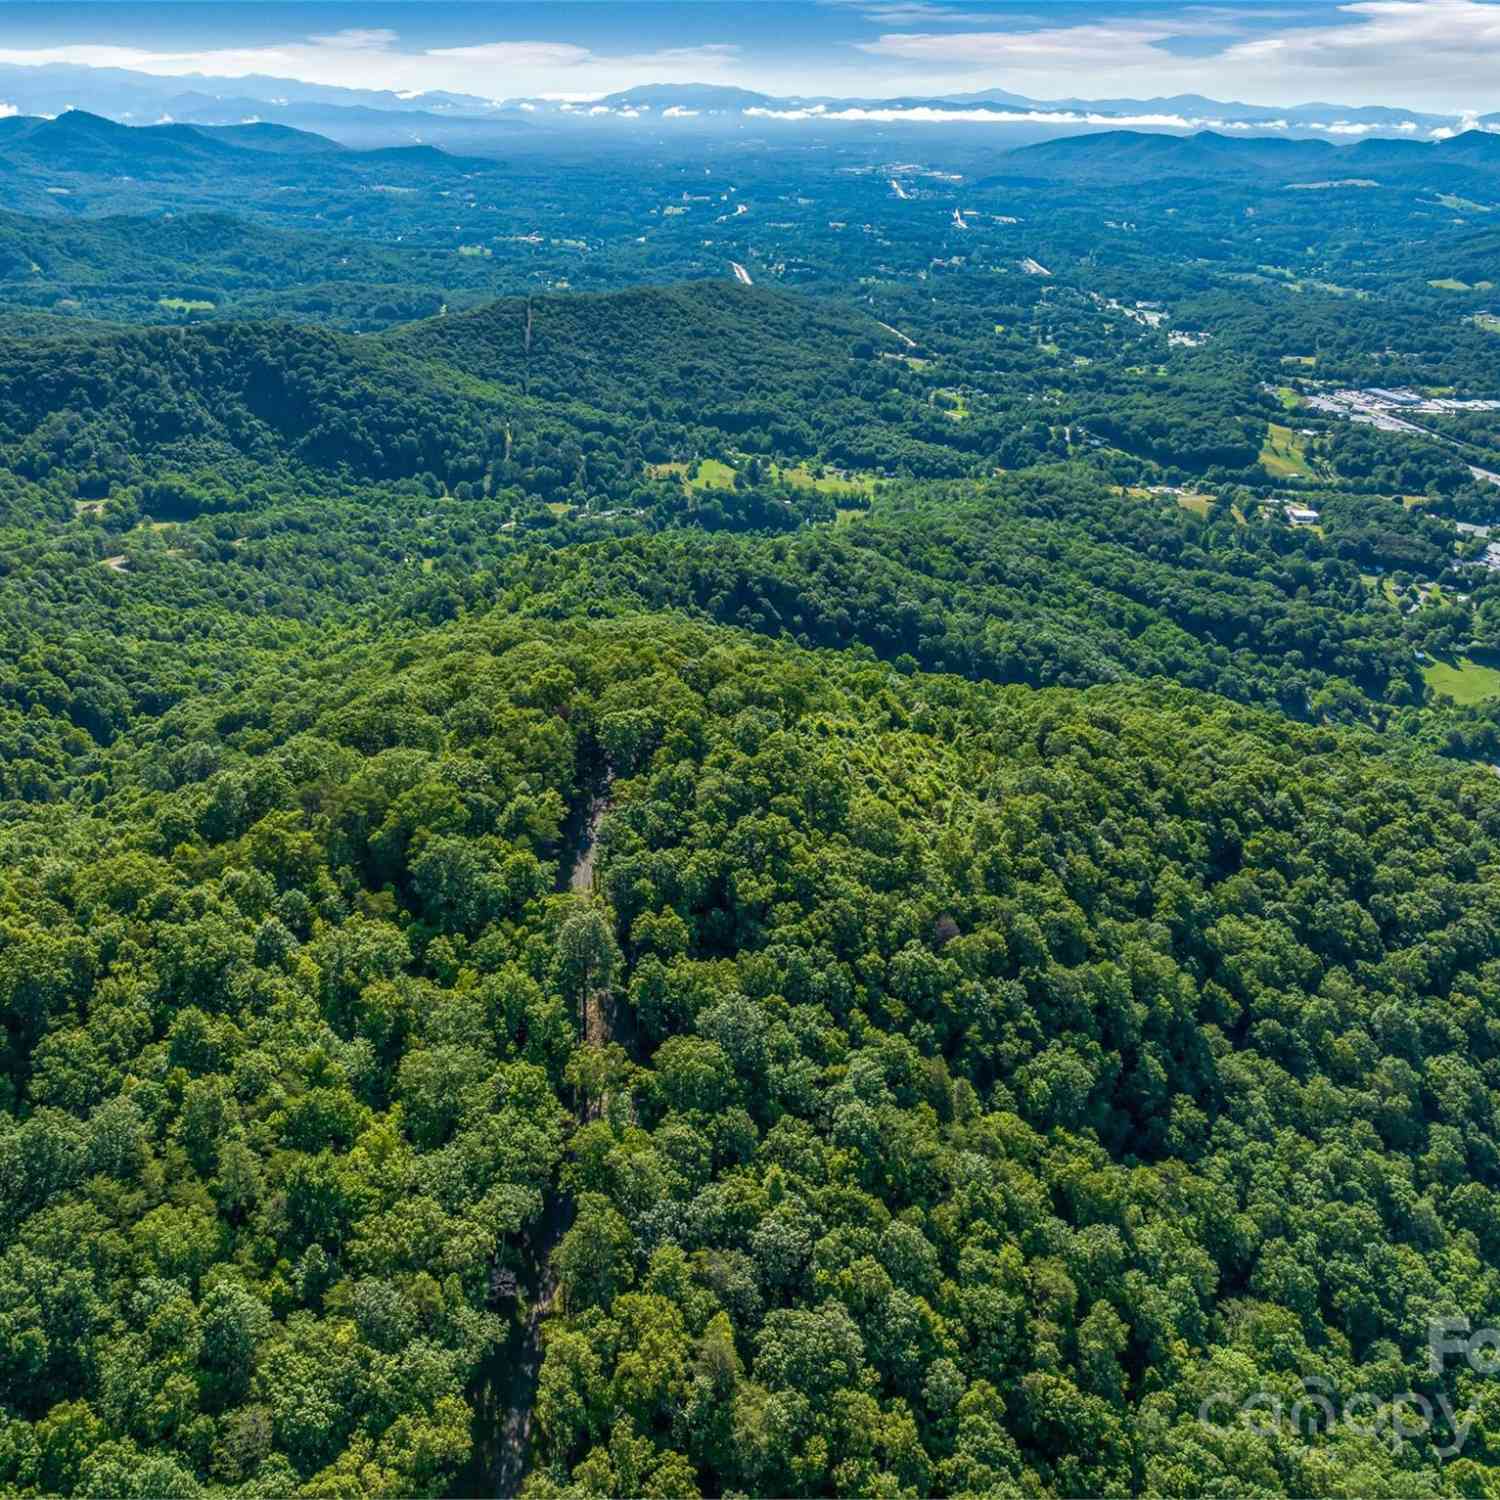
(710, 342)
(211, 249)
(77, 141)
(607, 384)
(81, 162)
(161, 268)
(1133, 156)
(123, 406)
(959, 1073)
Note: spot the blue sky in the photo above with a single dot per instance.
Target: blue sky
(1432, 54)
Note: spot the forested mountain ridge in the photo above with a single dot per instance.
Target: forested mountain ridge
(1000, 587)
(975, 1043)
(49, 161)
(78, 140)
(709, 341)
(228, 396)
(463, 397)
(1208, 153)
(187, 469)
(211, 248)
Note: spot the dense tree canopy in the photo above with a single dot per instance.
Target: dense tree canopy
(989, 1068)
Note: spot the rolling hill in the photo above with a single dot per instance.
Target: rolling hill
(81, 161)
(78, 141)
(1133, 155)
(706, 342)
(465, 398)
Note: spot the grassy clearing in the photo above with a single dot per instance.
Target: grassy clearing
(1329, 288)
(1448, 284)
(1306, 360)
(953, 403)
(715, 474)
(1490, 322)
(803, 478)
(1195, 502)
(1289, 398)
(183, 305)
(1467, 679)
(712, 475)
(843, 516)
(1284, 454)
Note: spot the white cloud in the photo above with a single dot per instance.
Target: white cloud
(926, 115)
(359, 39)
(1426, 54)
(515, 55)
(7, 109)
(1469, 121)
(524, 66)
(677, 112)
(1329, 127)
(1124, 44)
(371, 58)
(1356, 127)
(910, 12)
(1416, 49)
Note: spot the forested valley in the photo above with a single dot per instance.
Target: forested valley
(614, 882)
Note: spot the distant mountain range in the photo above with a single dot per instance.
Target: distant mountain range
(363, 117)
(373, 117)
(81, 141)
(83, 162)
(1135, 155)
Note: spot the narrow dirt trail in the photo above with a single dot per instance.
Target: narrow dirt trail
(519, 1364)
(513, 1431)
(582, 877)
(910, 343)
